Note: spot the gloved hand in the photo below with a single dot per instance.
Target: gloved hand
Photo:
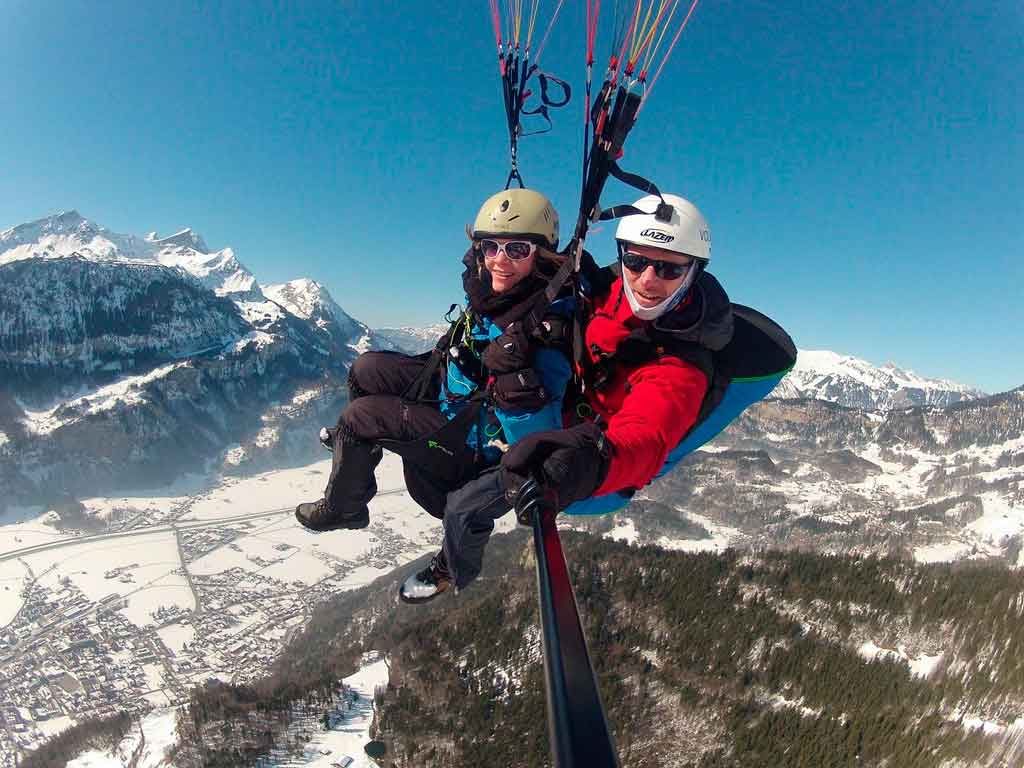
(519, 391)
(508, 352)
(571, 462)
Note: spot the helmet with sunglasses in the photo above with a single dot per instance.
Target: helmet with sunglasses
(518, 213)
(685, 231)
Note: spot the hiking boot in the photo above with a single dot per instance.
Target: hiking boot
(316, 516)
(327, 437)
(428, 583)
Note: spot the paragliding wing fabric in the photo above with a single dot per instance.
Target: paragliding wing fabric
(749, 368)
(443, 454)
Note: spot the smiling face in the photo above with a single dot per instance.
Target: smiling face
(650, 289)
(506, 273)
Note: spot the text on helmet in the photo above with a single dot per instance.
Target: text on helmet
(657, 235)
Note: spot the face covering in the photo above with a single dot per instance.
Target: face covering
(653, 313)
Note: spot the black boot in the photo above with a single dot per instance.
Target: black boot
(350, 487)
(316, 516)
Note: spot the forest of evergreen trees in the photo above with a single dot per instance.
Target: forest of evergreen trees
(704, 660)
(103, 734)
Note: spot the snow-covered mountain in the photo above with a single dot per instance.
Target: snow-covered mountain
(412, 340)
(219, 270)
(928, 482)
(164, 353)
(69, 233)
(309, 300)
(856, 383)
(65, 233)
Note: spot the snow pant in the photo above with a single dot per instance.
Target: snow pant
(378, 414)
(469, 517)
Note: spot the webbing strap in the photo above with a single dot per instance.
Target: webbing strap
(420, 386)
(546, 101)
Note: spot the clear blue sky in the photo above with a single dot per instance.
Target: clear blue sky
(861, 164)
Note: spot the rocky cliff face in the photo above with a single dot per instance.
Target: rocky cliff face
(133, 360)
(74, 322)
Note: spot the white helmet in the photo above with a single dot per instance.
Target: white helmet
(686, 231)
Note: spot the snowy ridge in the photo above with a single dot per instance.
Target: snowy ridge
(412, 340)
(303, 297)
(309, 300)
(124, 392)
(66, 233)
(69, 233)
(856, 383)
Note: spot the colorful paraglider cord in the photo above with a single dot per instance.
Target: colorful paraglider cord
(516, 70)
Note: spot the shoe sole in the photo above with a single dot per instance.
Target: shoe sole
(420, 600)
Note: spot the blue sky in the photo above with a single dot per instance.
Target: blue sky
(861, 164)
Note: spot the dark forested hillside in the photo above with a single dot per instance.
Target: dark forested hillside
(705, 660)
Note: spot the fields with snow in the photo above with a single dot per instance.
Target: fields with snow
(178, 587)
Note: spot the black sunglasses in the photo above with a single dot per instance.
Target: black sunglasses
(666, 270)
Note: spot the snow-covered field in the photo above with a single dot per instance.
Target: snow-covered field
(182, 585)
(273, 545)
(148, 748)
(348, 738)
(145, 749)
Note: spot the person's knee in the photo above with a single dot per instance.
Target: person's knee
(359, 420)
(360, 373)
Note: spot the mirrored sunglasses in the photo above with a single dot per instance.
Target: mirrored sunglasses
(666, 270)
(516, 250)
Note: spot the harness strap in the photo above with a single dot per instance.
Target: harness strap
(420, 386)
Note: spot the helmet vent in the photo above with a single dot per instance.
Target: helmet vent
(504, 205)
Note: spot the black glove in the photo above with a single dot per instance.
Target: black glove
(519, 392)
(508, 352)
(571, 462)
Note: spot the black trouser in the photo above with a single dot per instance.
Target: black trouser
(376, 411)
(469, 519)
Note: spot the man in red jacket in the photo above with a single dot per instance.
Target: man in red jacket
(649, 342)
(655, 319)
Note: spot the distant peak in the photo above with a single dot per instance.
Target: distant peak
(64, 220)
(186, 238)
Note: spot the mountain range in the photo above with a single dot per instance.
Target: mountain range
(175, 359)
(170, 356)
(856, 383)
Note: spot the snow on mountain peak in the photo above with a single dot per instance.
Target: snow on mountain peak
(305, 298)
(63, 234)
(302, 296)
(67, 233)
(854, 382)
(186, 238)
(309, 300)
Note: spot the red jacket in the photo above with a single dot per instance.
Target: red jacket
(648, 409)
